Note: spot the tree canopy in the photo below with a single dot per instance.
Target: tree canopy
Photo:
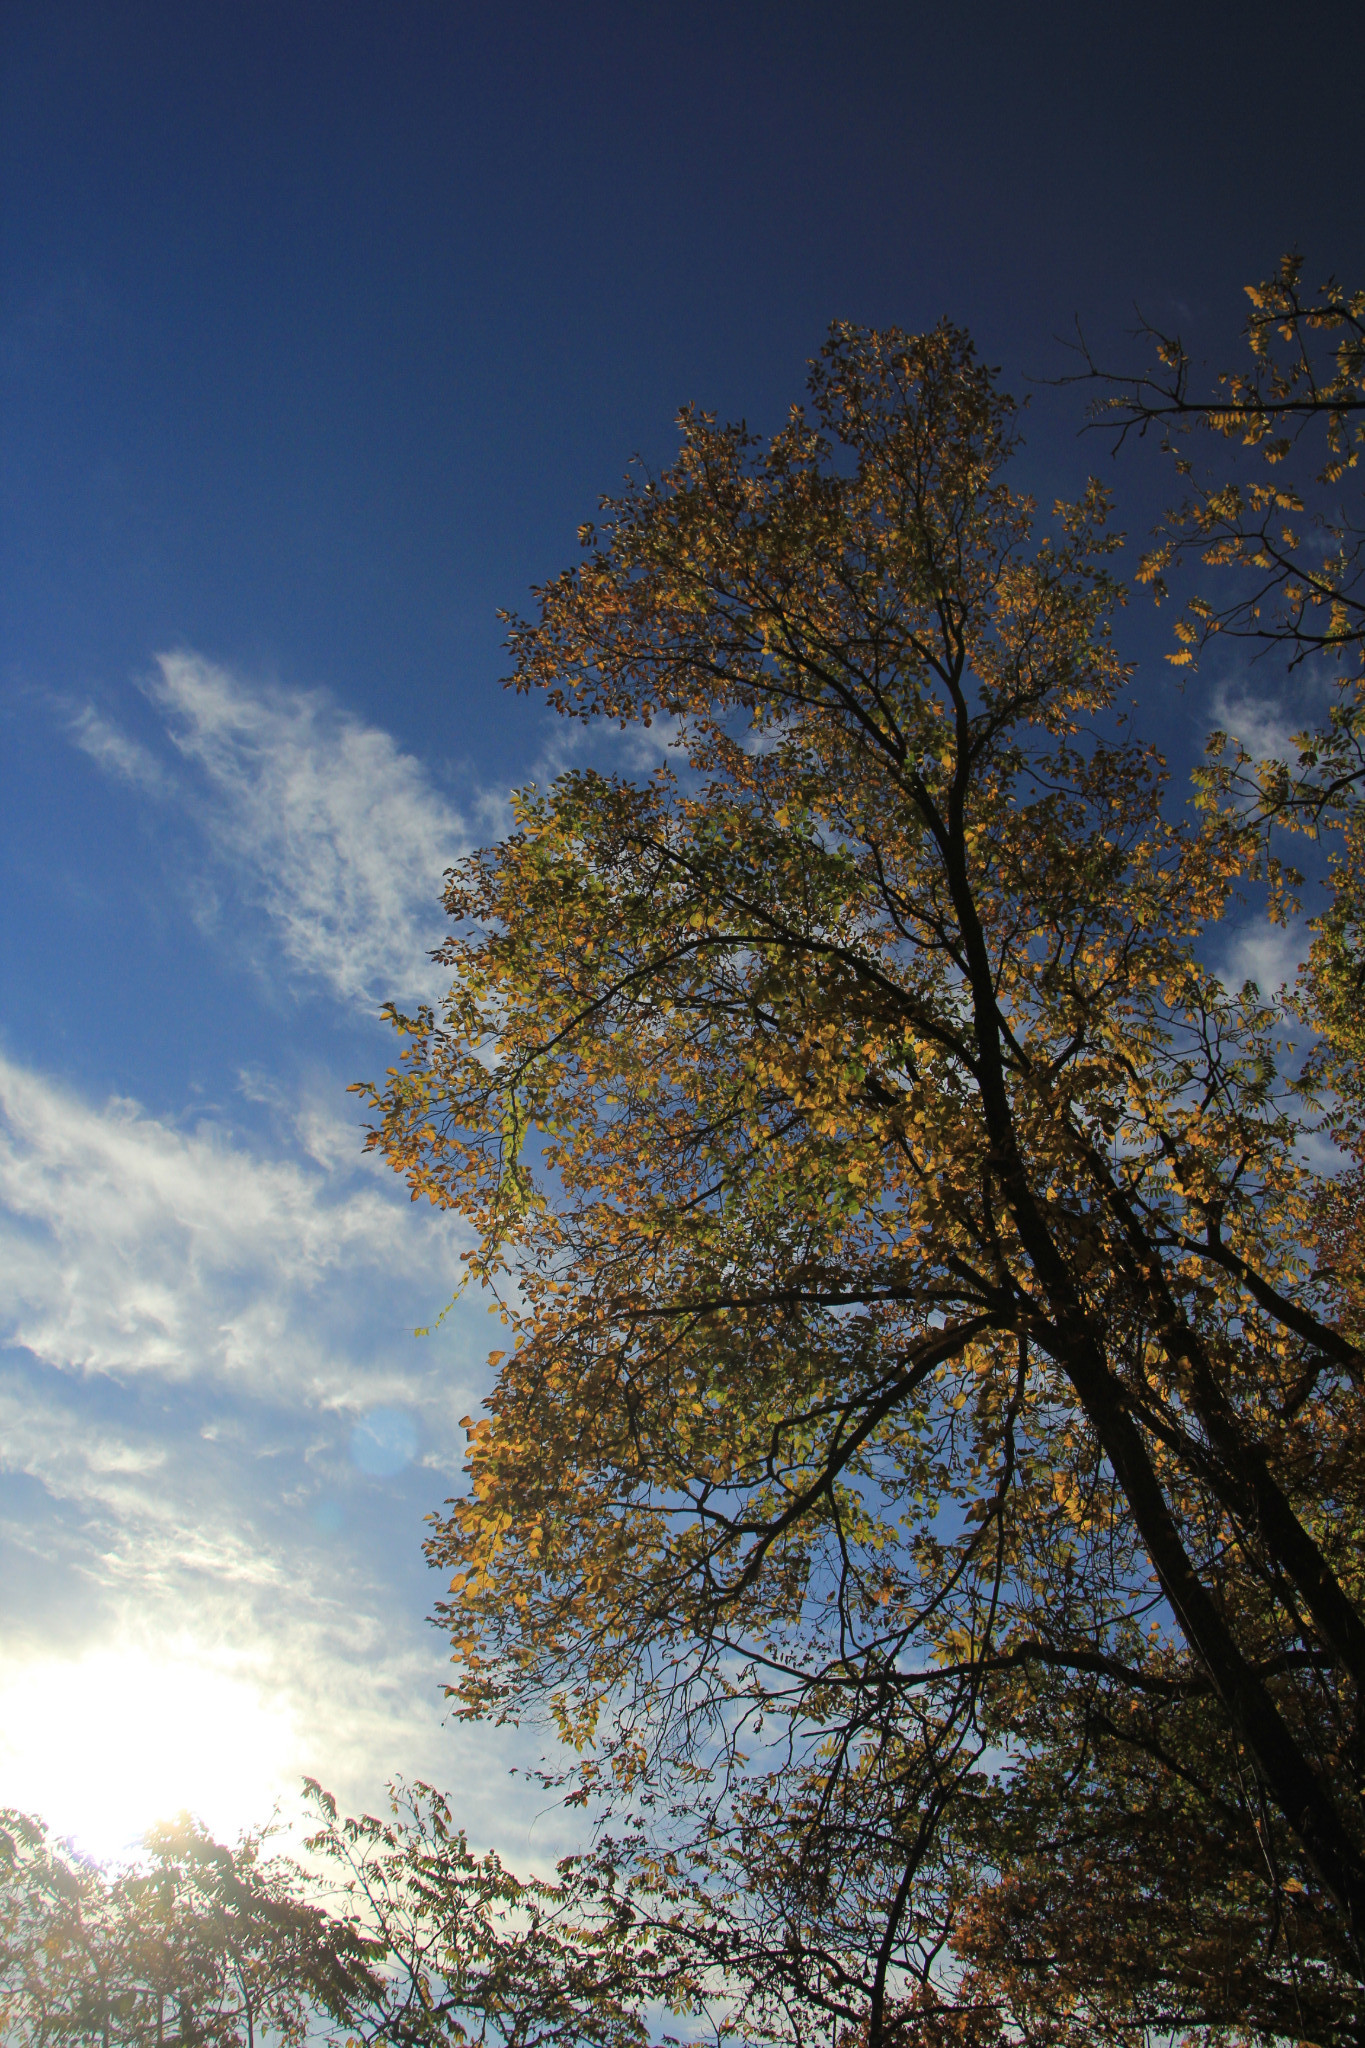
(923, 1479)
(390, 1931)
(193, 1944)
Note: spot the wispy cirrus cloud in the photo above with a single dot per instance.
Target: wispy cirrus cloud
(118, 753)
(342, 837)
(319, 820)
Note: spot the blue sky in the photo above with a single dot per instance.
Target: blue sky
(322, 328)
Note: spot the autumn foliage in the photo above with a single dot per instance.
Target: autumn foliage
(923, 1480)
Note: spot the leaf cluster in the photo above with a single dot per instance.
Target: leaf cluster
(1285, 520)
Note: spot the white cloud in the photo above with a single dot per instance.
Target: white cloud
(320, 821)
(569, 744)
(128, 1246)
(1260, 725)
(313, 1119)
(118, 753)
(340, 836)
(1266, 726)
(1268, 954)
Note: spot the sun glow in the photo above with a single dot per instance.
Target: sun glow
(103, 1746)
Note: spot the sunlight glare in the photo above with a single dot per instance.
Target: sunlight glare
(103, 1746)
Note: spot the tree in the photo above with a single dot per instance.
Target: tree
(472, 1953)
(923, 1480)
(393, 1932)
(198, 1944)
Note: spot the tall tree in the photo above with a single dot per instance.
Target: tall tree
(922, 1481)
